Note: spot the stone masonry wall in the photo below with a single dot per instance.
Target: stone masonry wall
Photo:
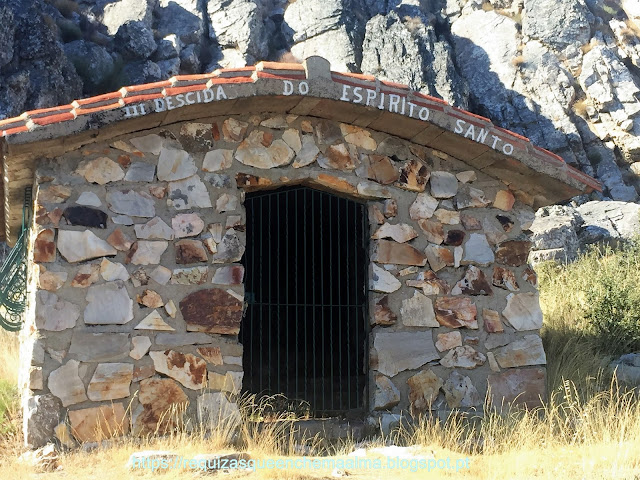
(140, 286)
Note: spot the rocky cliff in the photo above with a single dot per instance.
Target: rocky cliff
(565, 73)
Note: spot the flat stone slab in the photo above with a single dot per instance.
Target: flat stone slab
(53, 313)
(65, 383)
(99, 347)
(99, 423)
(109, 304)
(417, 311)
(523, 311)
(76, 246)
(186, 368)
(140, 172)
(383, 281)
(212, 311)
(524, 386)
(110, 381)
(161, 401)
(399, 351)
(188, 193)
(521, 353)
(131, 203)
(175, 164)
(398, 254)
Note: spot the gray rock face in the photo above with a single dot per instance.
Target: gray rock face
(92, 62)
(134, 40)
(485, 61)
(412, 54)
(561, 233)
(34, 70)
(182, 17)
(558, 23)
(238, 27)
(118, 13)
(140, 72)
(333, 29)
(627, 369)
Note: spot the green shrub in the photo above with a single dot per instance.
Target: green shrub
(596, 298)
(612, 310)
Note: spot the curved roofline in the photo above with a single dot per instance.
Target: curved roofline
(310, 89)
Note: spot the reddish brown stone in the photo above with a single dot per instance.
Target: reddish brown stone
(338, 184)
(44, 248)
(382, 314)
(132, 251)
(42, 216)
(424, 388)
(456, 312)
(398, 254)
(382, 170)
(119, 240)
(234, 130)
(140, 372)
(212, 355)
(474, 282)
(190, 251)
(55, 215)
(513, 252)
(229, 275)
(162, 400)
(87, 275)
(429, 283)
(215, 131)
(492, 323)
(390, 208)
(530, 276)
(124, 161)
(245, 180)
(524, 387)
(470, 223)
(454, 238)
(504, 278)
(504, 200)
(186, 368)
(99, 423)
(267, 139)
(149, 299)
(212, 311)
(433, 230)
(158, 191)
(439, 257)
(413, 176)
(339, 157)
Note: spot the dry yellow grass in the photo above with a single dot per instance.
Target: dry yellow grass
(9, 352)
(599, 438)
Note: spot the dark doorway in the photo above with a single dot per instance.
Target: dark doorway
(305, 330)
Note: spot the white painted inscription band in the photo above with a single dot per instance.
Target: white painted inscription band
(359, 95)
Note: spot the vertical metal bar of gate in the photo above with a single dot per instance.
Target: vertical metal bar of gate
(306, 278)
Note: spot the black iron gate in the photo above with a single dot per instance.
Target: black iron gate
(305, 331)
